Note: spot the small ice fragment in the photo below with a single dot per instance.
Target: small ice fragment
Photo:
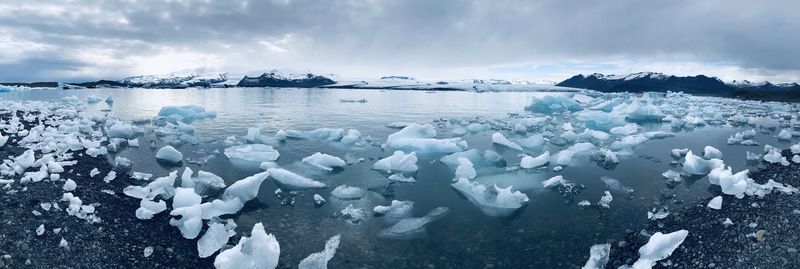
(715, 203)
(94, 172)
(63, 243)
(353, 215)
(40, 230)
(319, 200)
(345, 192)
(70, 185)
(598, 257)
(148, 251)
(659, 247)
(727, 222)
(399, 177)
(319, 260)
(169, 154)
(529, 162)
(710, 152)
(605, 200)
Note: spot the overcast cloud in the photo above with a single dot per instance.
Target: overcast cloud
(92, 39)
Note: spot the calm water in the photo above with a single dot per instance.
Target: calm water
(547, 233)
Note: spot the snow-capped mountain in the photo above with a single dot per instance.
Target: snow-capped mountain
(175, 80)
(275, 78)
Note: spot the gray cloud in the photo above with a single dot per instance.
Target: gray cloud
(97, 38)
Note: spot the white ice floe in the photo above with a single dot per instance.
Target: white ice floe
(324, 161)
(421, 138)
(345, 192)
(259, 251)
(169, 154)
(251, 156)
(408, 228)
(493, 201)
(319, 260)
(287, 180)
(500, 139)
(659, 247)
(598, 257)
(529, 162)
(399, 161)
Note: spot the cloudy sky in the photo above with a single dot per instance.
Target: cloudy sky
(443, 39)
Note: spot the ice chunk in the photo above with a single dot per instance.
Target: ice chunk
(698, 166)
(553, 181)
(319, 260)
(345, 192)
(92, 99)
(26, 160)
(399, 177)
(564, 157)
(774, 156)
(465, 169)
(186, 204)
(291, 181)
(627, 129)
(147, 209)
(659, 247)
(3, 140)
(410, 227)
(710, 152)
(259, 251)
(640, 111)
(679, 153)
(497, 202)
(215, 238)
(185, 113)
(715, 203)
(148, 251)
(245, 189)
(353, 215)
(203, 182)
(498, 138)
(421, 138)
(600, 120)
(397, 209)
(615, 185)
(534, 142)
(529, 162)
(605, 201)
(250, 156)
(319, 200)
(399, 161)
(169, 154)
(40, 230)
(324, 161)
(785, 134)
(553, 104)
(598, 257)
(70, 185)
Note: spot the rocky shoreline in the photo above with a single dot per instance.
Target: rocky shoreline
(119, 240)
(763, 233)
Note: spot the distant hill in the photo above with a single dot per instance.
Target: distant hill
(701, 85)
(278, 79)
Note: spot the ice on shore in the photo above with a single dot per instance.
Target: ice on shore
(421, 138)
(324, 161)
(250, 156)
(659, 247)
(598, 257)
(715, 203)
(260, 250)
(319, 260)
(288, 180)
(214, 239)
(186, 204)
(500, 139)
(398, 161)
(529, 162)
(408, 228)
(147, 209)
(169, 155)
(494, 201)
(203, 183)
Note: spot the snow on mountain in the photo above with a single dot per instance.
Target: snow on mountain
(276, 78)
(632, 76)
(175, 80)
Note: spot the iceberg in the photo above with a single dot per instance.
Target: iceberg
(698, 166)
(185, 113)
(324, 161)
(553, 104)
(421, 138)
(529, 162)
(344, 192)
(250, 156)
(412, 227)
(398, 161)
(169, 154)
(260, 250)
(498, 138)
(598, 257)
(659, 247)
(287, 180)
(319, 260)
(495, 202)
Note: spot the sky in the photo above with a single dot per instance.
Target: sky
(429, 40)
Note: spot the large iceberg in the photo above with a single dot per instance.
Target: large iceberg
(421, 138)
(495, 201)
